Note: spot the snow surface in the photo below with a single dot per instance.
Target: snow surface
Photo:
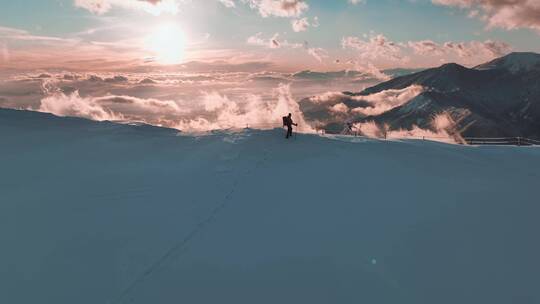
(514, 62)
(106, 213)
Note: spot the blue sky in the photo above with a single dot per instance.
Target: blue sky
(383, 33)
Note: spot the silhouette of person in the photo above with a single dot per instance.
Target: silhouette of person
(350, 128)
(289, 123)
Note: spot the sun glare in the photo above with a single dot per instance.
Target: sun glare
(168, 43)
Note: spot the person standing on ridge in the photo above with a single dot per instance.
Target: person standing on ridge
(287, 121)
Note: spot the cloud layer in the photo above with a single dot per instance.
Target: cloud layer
(211, 112)
(190, 101)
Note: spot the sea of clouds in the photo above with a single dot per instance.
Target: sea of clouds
(186, 101)
(204, 101)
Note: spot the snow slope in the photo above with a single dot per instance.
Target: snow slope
(514, 62)
(105, 213)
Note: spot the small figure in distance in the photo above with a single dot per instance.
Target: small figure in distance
(287, 121)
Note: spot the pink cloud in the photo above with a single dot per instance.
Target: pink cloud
(377, 47)
(300, 25)
(155, 7)
(374, 47)
(274, 42)
(487, 48)
(506, 14)
(279, 8)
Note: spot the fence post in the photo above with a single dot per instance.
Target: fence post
(519, 141)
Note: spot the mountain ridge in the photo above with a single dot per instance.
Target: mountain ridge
(498, 98)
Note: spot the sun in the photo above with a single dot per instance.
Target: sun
(168, 43)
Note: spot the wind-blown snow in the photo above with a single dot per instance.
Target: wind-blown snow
(104, 213)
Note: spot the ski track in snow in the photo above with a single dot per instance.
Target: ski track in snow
(176, 251)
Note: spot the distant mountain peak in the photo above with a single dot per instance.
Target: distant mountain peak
(513, 62)
(452, 65)
(450, 68)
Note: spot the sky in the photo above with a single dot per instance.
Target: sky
(215, 64)
(284, 35)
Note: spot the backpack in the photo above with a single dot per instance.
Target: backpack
(285, 121)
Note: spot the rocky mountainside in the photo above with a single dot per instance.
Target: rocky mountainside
(498, 98)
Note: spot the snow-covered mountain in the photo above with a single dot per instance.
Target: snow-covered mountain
(98, 212)
(514, 62)
(499, 98)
